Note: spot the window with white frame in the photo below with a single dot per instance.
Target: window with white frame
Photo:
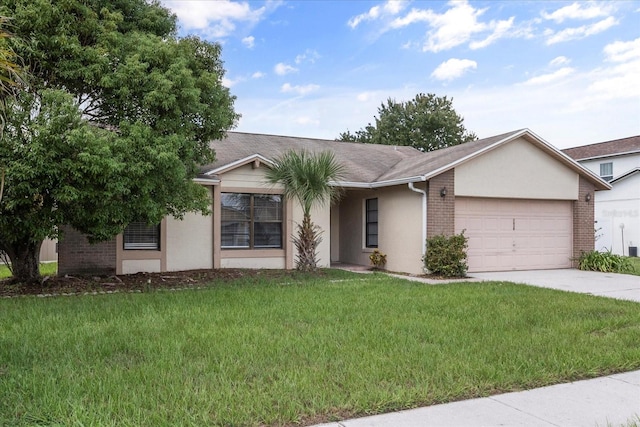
(606, 171)
(141, 236)
(251, 221)
(371, 223)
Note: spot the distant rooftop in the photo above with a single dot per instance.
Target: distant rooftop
(605, 149)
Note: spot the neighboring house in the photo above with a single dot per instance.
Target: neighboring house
(617, 211)
(49, 250)
(522, 203)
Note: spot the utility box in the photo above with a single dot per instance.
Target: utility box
(633, 251)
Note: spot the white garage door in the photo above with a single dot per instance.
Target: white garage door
(509, 234)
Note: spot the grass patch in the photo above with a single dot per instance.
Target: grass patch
(46, 269)
(263, 352)
(635, 261)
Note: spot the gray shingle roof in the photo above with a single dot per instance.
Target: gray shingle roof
(605, 149)
(362, 162)
(370, 164)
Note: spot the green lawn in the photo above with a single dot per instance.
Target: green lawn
(309, 350)
(46, 269)
(635, 261)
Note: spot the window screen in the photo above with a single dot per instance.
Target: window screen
(139, 235)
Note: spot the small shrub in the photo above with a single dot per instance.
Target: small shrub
(606, 262)
(378, 259)
(447, 255)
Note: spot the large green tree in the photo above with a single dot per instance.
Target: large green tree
(427, 122)
(116, 116)
(307, 177)
(10, 79)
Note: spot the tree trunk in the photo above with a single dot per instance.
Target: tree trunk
(306, 243)
(25, 260)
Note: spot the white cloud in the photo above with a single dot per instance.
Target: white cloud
(227, 82)
(500, 29)
(216, 19)
(389, 8)
(455, 26)
(580, 32)
(300, 90)
(620, 80)
(622, 51)
(560, 60)
(309, 55)
(551, 77)
(249, 42)
(281, 69)
(372, 14)
(453, 68)
(586, 10)
(258, 75)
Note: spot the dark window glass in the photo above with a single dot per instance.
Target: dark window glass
(371, 223)
(251, 220)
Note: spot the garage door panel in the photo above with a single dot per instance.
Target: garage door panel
(508, 234)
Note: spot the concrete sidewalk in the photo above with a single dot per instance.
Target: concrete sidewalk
(608, 401)
(612, 285)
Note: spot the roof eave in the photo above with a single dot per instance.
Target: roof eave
(377, 184)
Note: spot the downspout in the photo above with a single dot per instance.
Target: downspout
(424, 215)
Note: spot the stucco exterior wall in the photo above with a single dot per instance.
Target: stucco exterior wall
(49, 250)
(267, 263)
(190, 242)
(248, 176)
(517, 170)
(399, 228)
(132, 266)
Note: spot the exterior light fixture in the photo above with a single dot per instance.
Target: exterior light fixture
(587, 197)
(443, 191)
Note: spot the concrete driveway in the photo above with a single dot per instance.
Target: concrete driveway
(620, 286)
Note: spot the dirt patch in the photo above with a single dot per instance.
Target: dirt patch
(140, 282)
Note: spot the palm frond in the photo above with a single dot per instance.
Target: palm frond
(306, 177)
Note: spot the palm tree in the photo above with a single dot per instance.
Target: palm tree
(306, 178)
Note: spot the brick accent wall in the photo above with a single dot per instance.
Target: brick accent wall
(441, 210)
(77, 256)
(583, 220)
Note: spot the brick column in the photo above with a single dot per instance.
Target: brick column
(441, 210)
(77, 256)
(583, 220)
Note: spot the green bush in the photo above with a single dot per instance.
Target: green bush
(447, 255)
(606, 262)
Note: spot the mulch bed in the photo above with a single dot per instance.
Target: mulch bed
(141, 282)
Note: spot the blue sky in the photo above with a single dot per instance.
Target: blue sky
(569, 71)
